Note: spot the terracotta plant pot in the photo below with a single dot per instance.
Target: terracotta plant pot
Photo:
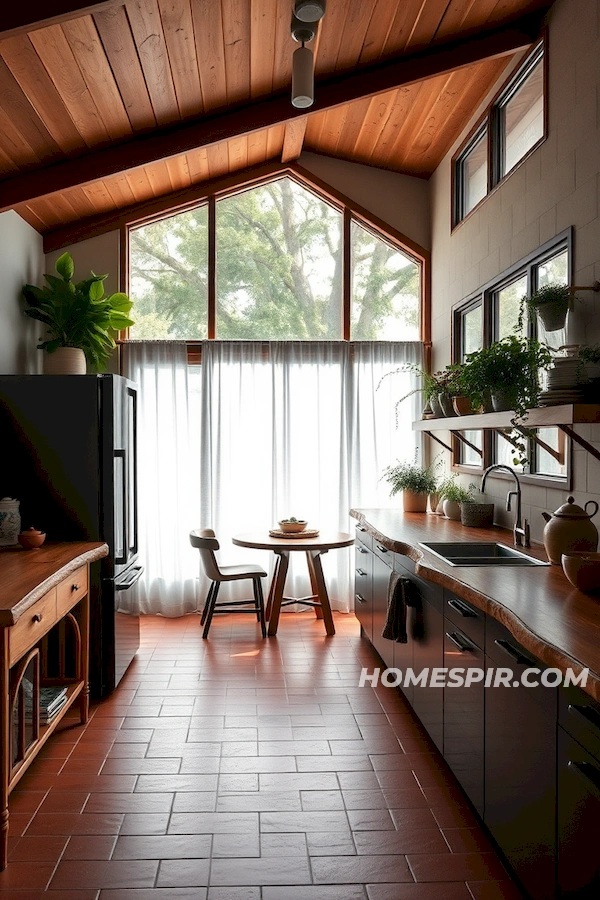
(463, 406)
(65, 361)
(412, 502)
(31, 539)
(452, 510)
(553, 316)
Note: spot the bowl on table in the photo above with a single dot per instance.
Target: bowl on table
(292, 526)
(31, 539)
(582, 569)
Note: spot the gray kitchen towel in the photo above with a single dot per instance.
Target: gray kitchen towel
(395, 623)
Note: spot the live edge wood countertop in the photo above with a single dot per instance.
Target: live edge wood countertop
(26, 575)
(555, 622)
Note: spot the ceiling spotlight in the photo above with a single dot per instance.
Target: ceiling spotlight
(309, 10)
(303, 86)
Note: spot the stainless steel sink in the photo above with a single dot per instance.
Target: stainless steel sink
(480, 553)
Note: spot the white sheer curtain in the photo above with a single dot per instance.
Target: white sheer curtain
(285, 428)
(168, 480)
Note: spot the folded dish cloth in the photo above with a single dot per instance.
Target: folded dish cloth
(395, 623)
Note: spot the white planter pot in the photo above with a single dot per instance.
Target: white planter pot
(452, 509)
(65, 361)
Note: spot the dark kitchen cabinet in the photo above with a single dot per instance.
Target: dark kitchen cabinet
(425, 649)
(382, 569)
(363, 588)
(578, 818)
(464, 710)
(520, 766)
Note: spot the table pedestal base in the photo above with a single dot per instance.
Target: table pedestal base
(319, 599)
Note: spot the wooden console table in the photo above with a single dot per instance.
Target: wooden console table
(44, 642)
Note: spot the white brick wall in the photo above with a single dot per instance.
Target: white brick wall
(557, 187)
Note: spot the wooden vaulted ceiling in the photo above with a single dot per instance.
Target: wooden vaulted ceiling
(105, 107)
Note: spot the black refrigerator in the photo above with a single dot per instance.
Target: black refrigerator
(69, 455)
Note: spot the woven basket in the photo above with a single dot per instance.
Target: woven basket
(477, 515)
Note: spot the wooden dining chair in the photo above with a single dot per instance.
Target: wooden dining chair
(205, 541)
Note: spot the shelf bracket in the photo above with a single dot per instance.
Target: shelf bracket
(438, 440)
(579, 440)
(558, 455)
(586, 287)
(462, 438)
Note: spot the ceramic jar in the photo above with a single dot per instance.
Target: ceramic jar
(452, 510)
(570, 528)
(10, 522)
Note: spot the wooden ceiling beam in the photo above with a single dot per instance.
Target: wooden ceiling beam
(29, 15)
(330, 92)
(293, 139)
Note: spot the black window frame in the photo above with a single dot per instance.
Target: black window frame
(529, 266)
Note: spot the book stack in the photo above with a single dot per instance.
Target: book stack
(52, 700)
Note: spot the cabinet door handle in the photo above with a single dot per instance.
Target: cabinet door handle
(587, 773)
(360, 572)
(464, 611)
(587, 715)
(360, 598)
(515, 654)
(360, 528)
(383, 549)
(37, 617)
(362, 549)
(462, 646)
(74, 587)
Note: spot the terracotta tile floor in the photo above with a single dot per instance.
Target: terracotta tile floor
(242, 769)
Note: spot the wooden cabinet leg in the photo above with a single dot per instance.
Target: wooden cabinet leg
(278, 591)
(84, 662)
(5, 754)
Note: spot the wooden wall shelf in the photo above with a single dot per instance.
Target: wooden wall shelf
(563, 417)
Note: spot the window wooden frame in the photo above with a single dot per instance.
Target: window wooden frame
(485, 296)
(492, 120)
(210, 192)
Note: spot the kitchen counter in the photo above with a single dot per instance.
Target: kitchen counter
(26, 575)
(555, 622)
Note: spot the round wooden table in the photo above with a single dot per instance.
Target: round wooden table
(314, 549)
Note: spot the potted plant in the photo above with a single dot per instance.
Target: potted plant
(415, 482)
(453, 494)
(550, 303)
(81, 323)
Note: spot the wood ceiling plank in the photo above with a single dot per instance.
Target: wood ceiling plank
(218, 160)
(24, 63)
(330, 33)
(237, 151)
(458, 13)
(14, 145)
(354, 32)
(7, 166)
(407, 13)
(377, 115)
(57, 209)
(285, 45)
(28, 212)
(16, 105)
(117, 39)
(119, 190)
(208, 30)
(426, 24)
(236, 35)
(293, 140)
(334, 121)
(356, 114)
(18, 18)
(94, 66)
(197, 163)
(378, 31)
(262, 41)
(99, 196)
(146, 25)
(80, 202)
(177, 25)
(275, 136)
(52, 47)
(257, 147)
(179, 172)
(140, 184)
(159, 178)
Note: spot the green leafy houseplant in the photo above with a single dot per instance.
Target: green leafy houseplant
(416, 482)
(550, 303)
(450, 489)
(77, 314)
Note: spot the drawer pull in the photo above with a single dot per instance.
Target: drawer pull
(360, 572)
(362, 549)
(75, 587)
(360, 528)
(37, 617)
(360, 598)
(383, 549)
(587, 715)
(587, 773)
(464, 611)
(462, 645)
(515, 654)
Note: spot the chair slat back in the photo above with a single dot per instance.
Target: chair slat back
(205, 541)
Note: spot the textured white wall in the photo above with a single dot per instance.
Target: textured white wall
(558, 186)
(21, 262)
